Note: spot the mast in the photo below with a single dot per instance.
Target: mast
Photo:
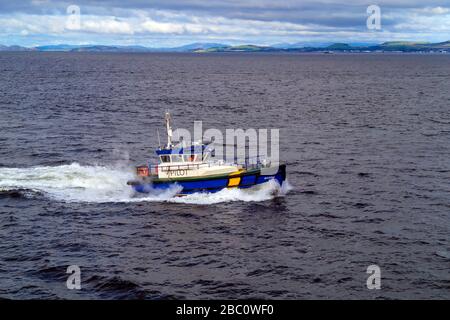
(169, 130)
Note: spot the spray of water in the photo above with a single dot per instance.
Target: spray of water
(77, 183)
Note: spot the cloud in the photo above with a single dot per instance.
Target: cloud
(106, 25)
(439, 24)
(162, 27)
(251, 21)
(433, 10)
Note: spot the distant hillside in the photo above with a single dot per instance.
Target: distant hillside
(110, 49)
(443, 45)
(339, 46)
(409, 46)
(394, 46)
(14, 48)
(240, 48)
(58, 47)
(199, 47)
(107, 48)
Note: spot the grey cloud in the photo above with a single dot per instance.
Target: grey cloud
(327, 13)
(318, 16)
(228, 8)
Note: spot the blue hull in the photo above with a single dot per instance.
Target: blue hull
(245, 180)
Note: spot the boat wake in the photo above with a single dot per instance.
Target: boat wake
(102, 184)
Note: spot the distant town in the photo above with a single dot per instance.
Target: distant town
(391, 46)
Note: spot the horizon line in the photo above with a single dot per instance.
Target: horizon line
(219, 43)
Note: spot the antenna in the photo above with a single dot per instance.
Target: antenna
(169, 130)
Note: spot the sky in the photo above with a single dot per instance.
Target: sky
(169, 23)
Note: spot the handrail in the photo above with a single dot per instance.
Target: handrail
(249, 162)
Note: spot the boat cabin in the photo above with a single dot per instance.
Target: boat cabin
(176, 160)
(183, 155)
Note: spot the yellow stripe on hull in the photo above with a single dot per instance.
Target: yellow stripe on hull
(236, 173)
(234, 182)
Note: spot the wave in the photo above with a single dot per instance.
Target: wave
(103, 184)
(263, 192)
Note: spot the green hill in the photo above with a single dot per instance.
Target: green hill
(339, 46)
(239, 48)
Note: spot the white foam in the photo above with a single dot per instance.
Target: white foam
(262, 192)
(77, 183)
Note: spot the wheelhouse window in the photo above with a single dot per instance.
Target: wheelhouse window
(165, 158)
(177, 158)
(190, 157)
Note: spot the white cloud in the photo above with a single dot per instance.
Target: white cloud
(106, 25)
(166, 25)
(434, 10)
(425, 23)
(39, 2)
(144, 23)
(161, 27)
(33, 24)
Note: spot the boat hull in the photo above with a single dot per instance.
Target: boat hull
(245, 179)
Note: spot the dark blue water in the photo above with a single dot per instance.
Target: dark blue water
(367, 143)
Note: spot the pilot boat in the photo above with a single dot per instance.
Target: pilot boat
(192, 169)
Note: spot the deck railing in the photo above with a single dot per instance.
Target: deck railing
(249, 163)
